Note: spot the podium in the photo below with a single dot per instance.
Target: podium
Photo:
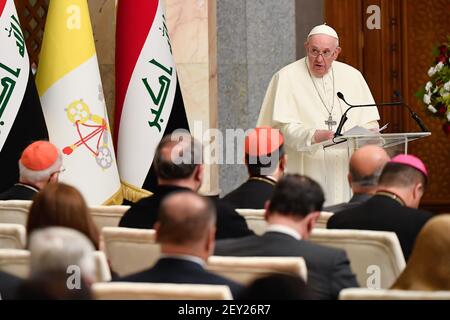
(337, 153)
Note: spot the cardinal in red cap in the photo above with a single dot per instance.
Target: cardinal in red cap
(40, 163)
(395, 205)
(265, 159)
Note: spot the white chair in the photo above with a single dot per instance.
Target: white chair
(375, 256)
(15, 262)
(321, 222)
(107, 216)
(255, 219)
(371, 294)
(246, 269)
(159, 291)
(129, 250)
(103, 273)
(12, 236)
(14, 211)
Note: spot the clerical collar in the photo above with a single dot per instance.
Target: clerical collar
(268, 179)
(392, 196)
(284, 229)
(186, 257)
(27, 186)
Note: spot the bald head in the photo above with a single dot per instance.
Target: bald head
(366, 165)
(185, 219)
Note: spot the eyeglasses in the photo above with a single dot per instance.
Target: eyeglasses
(61, 170)
(316, 52)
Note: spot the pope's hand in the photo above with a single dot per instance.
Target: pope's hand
(322, 135)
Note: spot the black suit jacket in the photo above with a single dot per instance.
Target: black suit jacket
(252, 194)
(173, 270)
(328, 268)
(18, 192)
(9, 285)
(144, 213)
(355, 201)
(383, 213)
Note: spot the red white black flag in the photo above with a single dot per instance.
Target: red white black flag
(149, 104)
(21, 117)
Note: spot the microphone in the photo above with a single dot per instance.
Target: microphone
(351, 106)
(413, 114)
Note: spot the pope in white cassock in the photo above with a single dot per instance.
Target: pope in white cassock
(302, 102)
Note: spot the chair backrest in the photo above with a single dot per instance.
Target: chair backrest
(321, 222)
(371, 294)
(107, 216)
(246, 269)
(255, 219)
(375, 256)
(14, 211)
(103, 273)
(130, 250)
(12, 236)
(159, 291)
(15, 262)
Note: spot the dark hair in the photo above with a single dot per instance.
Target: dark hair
(277, 287)
(370, 180)
(186, 219)
(400, 175)
(171, 166)
(264, 165)
(297, 195)
(59, 204)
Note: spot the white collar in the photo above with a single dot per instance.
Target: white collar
(284, 229)
(27, 186)
(186, 257)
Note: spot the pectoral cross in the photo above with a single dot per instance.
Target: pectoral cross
(330, 122)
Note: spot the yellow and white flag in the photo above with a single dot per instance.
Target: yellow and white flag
(71, 93)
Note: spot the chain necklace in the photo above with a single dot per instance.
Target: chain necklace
(329, 122)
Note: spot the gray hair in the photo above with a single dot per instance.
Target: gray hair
(56, 248)
(33, 176)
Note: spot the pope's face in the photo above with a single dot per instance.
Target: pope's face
(321, 51)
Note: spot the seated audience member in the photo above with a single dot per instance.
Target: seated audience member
(185, 230)
(52, 286)
(178, 168)
(62, 250)
(277, 287)
(291, 215)
(365, 168)
(59, 204)
(394, 207)
(9, 285)
(39, 164)
(428, 268)
(265, 160)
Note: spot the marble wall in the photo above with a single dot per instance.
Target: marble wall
(255, 38)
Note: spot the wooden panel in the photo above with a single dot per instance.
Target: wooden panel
(32, 15)
(426, 23)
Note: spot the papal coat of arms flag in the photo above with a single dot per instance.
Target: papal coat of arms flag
(149, 104)
(21, 118)
(71, 93)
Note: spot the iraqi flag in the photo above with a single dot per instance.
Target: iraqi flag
(21, 118)
(149, 104)
(70, 88)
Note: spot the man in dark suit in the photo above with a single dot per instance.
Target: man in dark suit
(265, 160)
(40, 163)
(181, 174)
(291, 214)
(365, 168)
(394, 206)
(185, 231)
